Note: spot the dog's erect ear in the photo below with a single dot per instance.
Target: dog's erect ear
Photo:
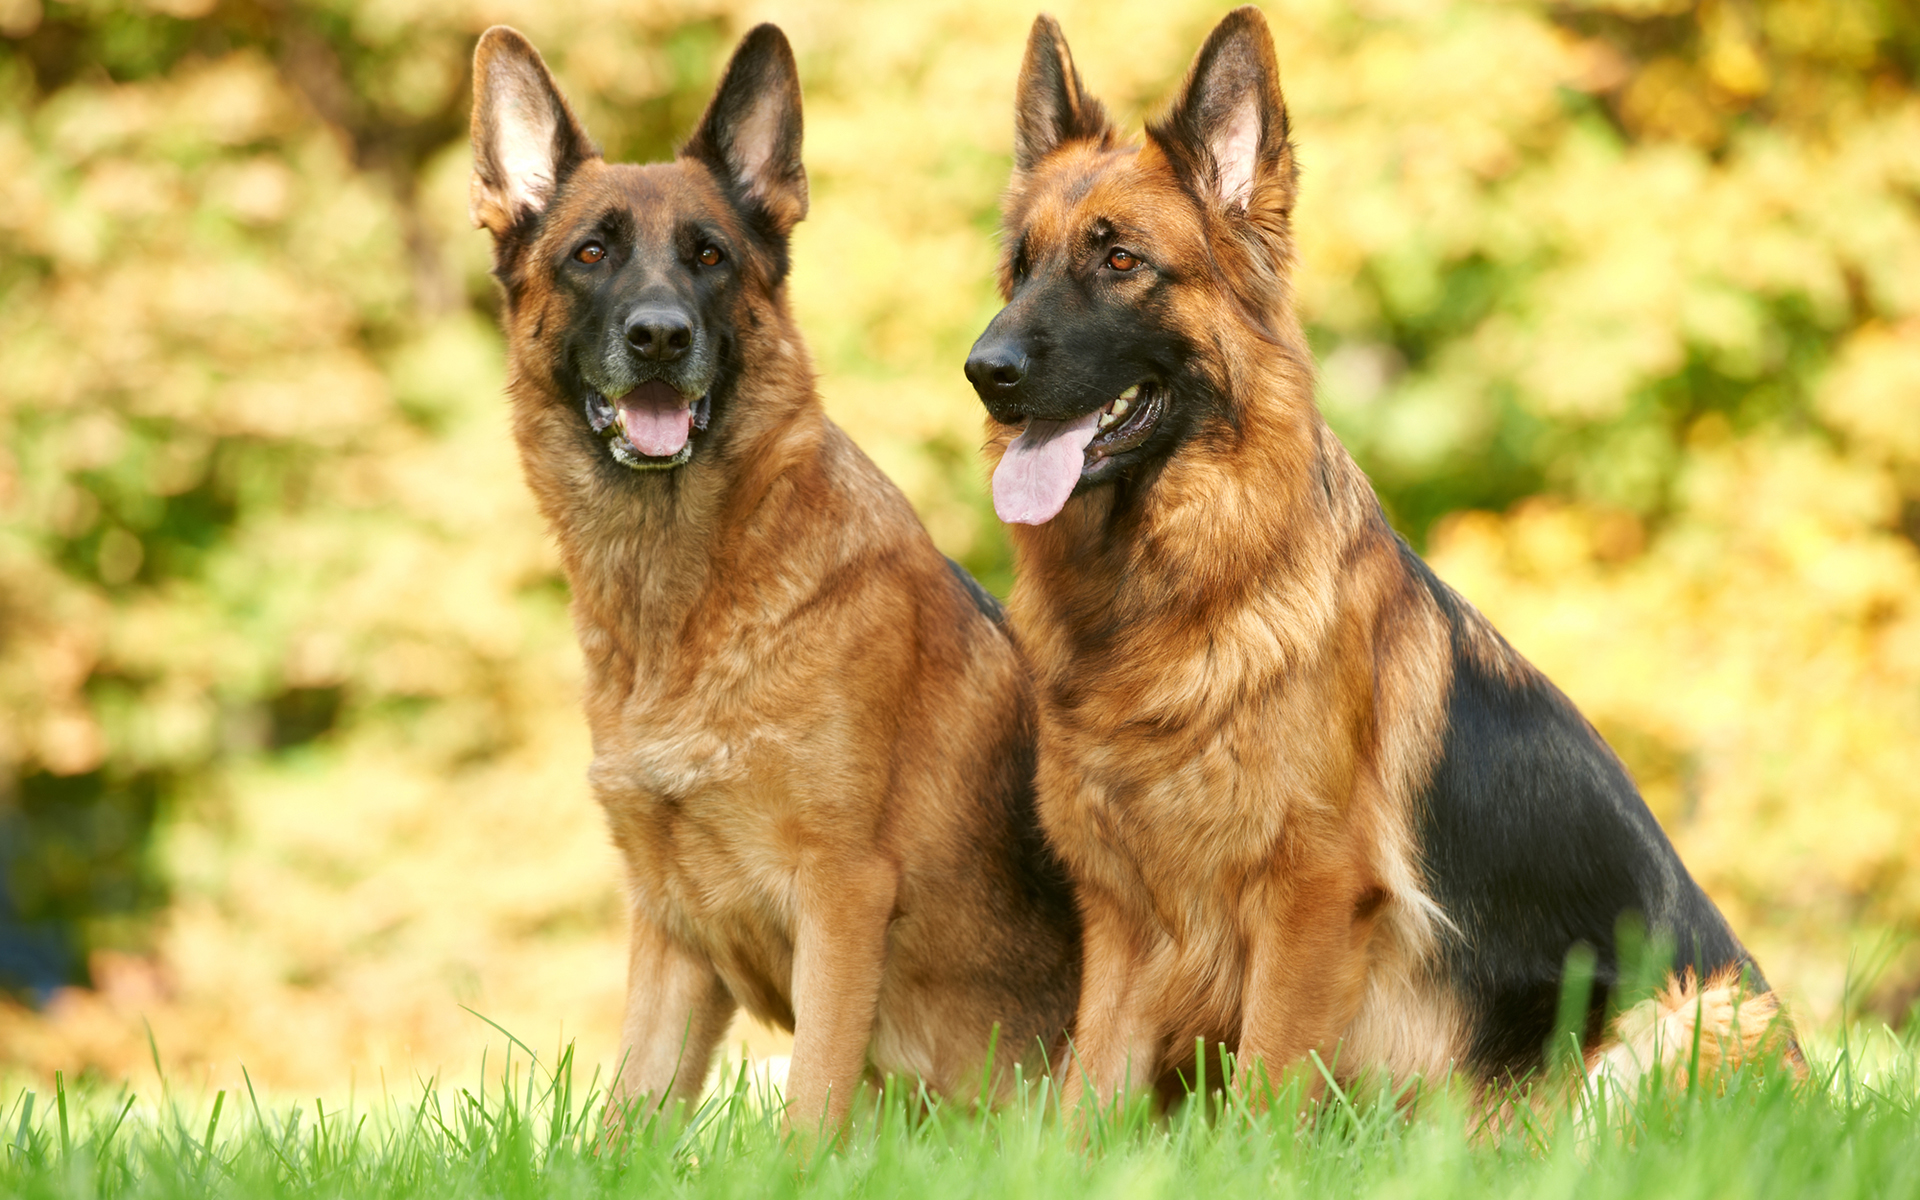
(1226, 135)
(1052, 107)
(525, 138)
(750, 136)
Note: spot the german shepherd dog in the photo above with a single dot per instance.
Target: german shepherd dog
(1310, 800)
(812, 738)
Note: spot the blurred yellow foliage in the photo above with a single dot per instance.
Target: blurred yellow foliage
(1618, 302)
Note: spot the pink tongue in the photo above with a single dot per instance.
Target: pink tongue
(1039, 469)
(656, 419)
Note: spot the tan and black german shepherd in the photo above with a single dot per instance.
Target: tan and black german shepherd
(812, 738)
(1310, 799)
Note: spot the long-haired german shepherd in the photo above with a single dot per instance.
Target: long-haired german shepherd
(1310, 799)
(812, 738)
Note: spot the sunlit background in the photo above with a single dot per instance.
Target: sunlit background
(1618, 303)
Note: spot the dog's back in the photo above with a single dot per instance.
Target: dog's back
(1535, 840)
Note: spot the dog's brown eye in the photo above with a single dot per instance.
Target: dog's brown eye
(1120, 260)
(709, 257)
(590, 253)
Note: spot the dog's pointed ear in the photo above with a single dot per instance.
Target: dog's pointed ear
(1052, 107)
(526, 140)
(751, 134)
(1226, 134)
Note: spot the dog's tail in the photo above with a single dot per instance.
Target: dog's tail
(1690, 1031)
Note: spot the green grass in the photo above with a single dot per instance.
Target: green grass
(534, 1130)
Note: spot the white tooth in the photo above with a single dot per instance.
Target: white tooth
(1109, 420)
(1130, 393)
(1120, 407)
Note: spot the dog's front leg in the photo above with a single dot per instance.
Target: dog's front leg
(1116, 1042)
(1306, 976)
(840, 950)
(677, 1012)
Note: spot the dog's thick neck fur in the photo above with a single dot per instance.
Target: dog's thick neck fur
(1188, 546)
(646, 551)
(655, 547)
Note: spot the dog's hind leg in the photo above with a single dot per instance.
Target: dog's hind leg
(840, 949)
(1694, 1030)
(677, 1012)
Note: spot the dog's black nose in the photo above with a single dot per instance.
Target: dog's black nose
(996, 368)
(660, 334)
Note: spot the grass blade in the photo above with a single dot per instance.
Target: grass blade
(60, 1101)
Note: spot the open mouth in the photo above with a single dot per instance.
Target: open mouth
(651, 428)
(1126, 421)
(1043, 465)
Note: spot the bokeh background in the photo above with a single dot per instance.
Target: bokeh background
(1617, 301)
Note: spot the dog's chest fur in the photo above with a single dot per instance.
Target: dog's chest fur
(714, 758)
(1155, 783)
(1203, 758)
(691, 778)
